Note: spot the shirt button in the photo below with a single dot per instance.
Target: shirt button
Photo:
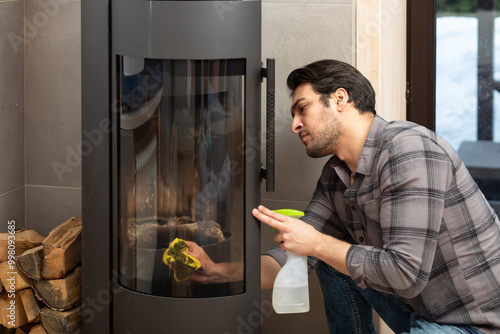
(353, 208)
(361, 239)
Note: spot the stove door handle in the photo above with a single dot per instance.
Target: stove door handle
(268, 173)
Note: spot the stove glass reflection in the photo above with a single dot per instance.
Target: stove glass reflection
(181, 166)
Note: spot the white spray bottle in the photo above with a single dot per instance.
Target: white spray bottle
(291, 287)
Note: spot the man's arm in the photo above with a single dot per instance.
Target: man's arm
(303, 239)
(269, 269)
(211, 272)
(333, 252)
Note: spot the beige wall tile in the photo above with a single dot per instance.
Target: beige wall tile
(295, 35)
(12, 208)
(53, 90)
(11, 96)
(47, 207)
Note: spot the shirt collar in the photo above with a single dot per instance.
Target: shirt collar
(367, 158)
(365, 163)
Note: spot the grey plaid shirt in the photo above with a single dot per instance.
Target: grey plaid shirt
(423, 230)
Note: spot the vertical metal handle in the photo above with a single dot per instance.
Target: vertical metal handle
(268, 173)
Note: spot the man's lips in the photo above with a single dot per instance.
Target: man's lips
(302, 136)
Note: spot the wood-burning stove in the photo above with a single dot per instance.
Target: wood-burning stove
(174, 89)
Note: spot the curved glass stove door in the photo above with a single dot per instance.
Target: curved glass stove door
(181, 167)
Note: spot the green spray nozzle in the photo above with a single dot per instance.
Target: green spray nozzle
(290, 213)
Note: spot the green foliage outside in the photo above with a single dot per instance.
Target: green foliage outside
(460, 6)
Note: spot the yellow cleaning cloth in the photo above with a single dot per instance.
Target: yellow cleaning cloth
(183, 264)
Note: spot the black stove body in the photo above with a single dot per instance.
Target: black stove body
(171, 148)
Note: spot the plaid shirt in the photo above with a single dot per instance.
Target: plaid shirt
(423, 229)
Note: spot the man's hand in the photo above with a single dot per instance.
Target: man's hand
(294, 234)
(211, 272)
(302, 239)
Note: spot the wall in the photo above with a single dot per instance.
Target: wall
(52, 88)
(381, 53)
(12, 178)
(40, 185)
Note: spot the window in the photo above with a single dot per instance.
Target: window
(452, 81)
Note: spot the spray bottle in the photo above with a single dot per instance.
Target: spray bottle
(291, 287)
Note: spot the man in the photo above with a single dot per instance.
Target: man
(396, 222)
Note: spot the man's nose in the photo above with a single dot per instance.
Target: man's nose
(296, 125)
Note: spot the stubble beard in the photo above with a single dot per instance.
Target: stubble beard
(326, 138)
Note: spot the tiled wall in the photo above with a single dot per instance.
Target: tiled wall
(12, 178)
(295, 33)
(40, 184)
(53, 112)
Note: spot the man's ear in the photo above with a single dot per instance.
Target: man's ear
(341, 97)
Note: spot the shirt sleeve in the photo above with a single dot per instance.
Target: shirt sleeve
(414, 174)
(278, 254)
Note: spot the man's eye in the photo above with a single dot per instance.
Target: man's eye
(302, 108)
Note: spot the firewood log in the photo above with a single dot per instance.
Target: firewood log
(12, 314)
(32, 305)
(12, 278)
(24, 240)
(30, 262)
(62, 249)
(60, 294)
(57, 322)
(38, 329)
(159, 232)
(5, 330)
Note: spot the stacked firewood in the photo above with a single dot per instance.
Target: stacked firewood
(40, 280)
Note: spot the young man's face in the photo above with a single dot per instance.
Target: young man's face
(318, 127)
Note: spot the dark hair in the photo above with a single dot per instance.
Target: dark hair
(326, 76)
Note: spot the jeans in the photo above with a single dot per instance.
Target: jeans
(349, 308)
